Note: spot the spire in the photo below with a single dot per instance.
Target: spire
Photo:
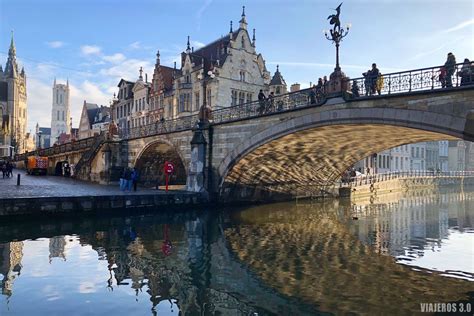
(54, 84)
(22, 71)
(158, 58)
(67, 82)
(11, 67)
(188, 48)
(243, 21)
(12, 50)
(141, 74)
(231, 27)
(253, 38)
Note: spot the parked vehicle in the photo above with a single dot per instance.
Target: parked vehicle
(37, 165)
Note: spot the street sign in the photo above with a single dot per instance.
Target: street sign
(169, 167)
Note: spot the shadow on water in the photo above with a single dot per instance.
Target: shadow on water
(278, 259)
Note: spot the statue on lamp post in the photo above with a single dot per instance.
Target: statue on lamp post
(338, 82)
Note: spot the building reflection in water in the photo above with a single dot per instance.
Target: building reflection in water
(10, 264)
(272, 259)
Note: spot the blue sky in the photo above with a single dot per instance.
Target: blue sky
(96, 42)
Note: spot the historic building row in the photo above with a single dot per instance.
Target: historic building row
(226, 72)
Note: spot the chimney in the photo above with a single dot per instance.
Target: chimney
(295, 87)
(146, 77)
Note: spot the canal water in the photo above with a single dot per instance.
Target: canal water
(383, 256)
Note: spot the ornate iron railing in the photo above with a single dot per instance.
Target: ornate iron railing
(380, 177)
(413, 80)
(160, 127)
(387, 84)
(280, 103)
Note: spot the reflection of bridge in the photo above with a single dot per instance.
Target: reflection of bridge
(253, 150)
(271, 253)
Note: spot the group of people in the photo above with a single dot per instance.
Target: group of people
(373, 82)
(7, 169)
(265, 104)
(129, 179)
(317, 92)
(446, 73)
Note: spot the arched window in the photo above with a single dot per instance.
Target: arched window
(243, 41)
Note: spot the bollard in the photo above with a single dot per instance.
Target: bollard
(18, 179)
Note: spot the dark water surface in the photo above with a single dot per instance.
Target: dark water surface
(384, 257)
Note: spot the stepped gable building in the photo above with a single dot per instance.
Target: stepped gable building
(60, 113)
(13, 106)
(230, 69)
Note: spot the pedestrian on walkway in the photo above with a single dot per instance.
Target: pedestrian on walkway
(374, 75)
(355, 89)
(450, 66)
(466, 72)
(9, 170)
(261, 102)
(312, 94)
(134, 177)
(128, 180)
(122, 180)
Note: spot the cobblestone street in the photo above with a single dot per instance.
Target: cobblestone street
(53, 186)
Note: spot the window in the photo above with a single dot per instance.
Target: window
(413, 152)
(136, 105)
(143, 103)
(196, 100)
(57, 97)
(61, 99)
(209, 97)
(241, 97)
(233, 98)
(417, 152)
(249, 97)
(57, 115)
(422, 153)
(242, 41)
(63, 115)
(278, 90)
(396, 162)
(401, 163)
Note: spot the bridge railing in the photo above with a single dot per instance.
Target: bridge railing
(438, 77)
(279, 103)
(160, 127)
(380, 177)
(75, 145)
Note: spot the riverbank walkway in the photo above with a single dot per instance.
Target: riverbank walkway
(54, 186)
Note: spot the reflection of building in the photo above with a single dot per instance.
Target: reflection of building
(56, 247)
(432, 155)
(10, 264)
(417, 157)
(443, 155)
(13, 107)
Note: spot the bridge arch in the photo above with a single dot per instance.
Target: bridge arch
(317, 147)
(150, 162)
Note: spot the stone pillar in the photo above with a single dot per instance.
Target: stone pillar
(338, 83)
(196, 176)
(105, 176)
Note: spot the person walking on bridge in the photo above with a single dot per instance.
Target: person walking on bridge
(261, 102)
(450, 66)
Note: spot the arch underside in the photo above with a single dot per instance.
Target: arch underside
(150, 165)
(317, 156)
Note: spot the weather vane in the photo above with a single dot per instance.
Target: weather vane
(336, 34)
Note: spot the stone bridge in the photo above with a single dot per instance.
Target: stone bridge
(260, 150)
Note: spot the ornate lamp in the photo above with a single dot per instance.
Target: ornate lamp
(338, 82)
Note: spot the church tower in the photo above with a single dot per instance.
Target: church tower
(60, 114)
(13, 106)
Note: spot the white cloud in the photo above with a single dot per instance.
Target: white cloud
(115, 58)
(90, 50)
(55, 44)
(134, 45)
(197, 44)
(128, 69)
(458, 27)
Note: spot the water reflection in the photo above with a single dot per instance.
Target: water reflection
(369, 257)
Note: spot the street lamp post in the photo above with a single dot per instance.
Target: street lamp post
(338, 82)
(39, 139)
(205, 110)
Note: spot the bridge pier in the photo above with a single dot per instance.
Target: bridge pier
(196, 176)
